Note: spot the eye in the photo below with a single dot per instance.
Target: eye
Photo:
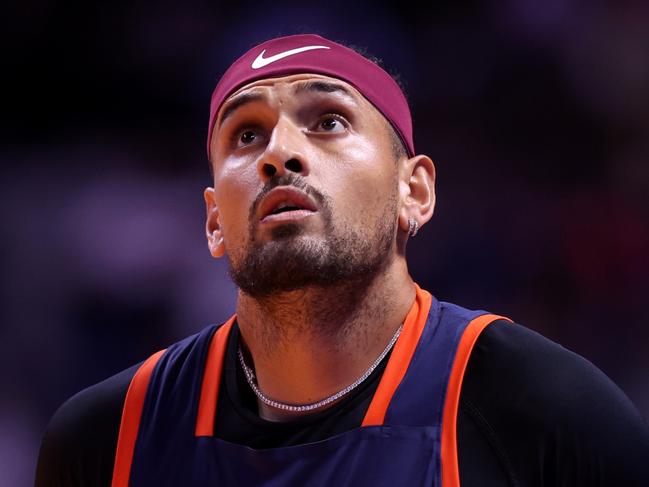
(247, 137)
(331, 123)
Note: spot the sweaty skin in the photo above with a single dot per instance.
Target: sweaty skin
(310, 342)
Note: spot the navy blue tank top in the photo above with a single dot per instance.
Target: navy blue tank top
(408, 435)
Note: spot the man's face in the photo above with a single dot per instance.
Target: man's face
(305, 184)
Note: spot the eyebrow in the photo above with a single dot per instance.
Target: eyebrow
(306, 87)
(318, 86)
(239, 101)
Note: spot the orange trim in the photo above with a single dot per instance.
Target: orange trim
(399, 361)
(211, 380)
(130, 423)
(450, 468)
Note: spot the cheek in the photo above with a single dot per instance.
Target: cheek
(363, 181)
(235, 192)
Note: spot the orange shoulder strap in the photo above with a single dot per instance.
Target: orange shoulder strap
(211, 380)
(399, 362)
(450, 468)
(130, 424)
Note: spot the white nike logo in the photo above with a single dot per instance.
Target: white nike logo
(260, 62)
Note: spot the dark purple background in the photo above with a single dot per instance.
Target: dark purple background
(535, 113)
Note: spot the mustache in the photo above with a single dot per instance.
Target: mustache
(290, 179)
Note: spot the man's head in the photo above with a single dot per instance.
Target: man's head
(307, 191)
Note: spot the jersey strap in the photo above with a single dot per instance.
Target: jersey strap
(450, 468)
(399, 362)
(130, 423)
(212, 380)
(137, 393)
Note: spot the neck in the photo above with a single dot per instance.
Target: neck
(310, 343)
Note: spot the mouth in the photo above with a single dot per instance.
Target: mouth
(284, 204)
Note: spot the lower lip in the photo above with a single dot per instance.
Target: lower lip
(287, 216)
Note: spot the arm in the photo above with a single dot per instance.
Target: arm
(549, 416)
(78, 448)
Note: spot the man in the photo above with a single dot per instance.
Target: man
(337, 369)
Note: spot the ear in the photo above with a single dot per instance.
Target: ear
(213, 230)
(417, 188)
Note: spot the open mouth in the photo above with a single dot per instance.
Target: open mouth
(286, 203)
(284, 207)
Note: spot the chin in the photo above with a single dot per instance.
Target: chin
(285, 231)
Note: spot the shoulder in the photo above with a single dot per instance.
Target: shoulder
(79, 445)
(521, 362)
(552, 413)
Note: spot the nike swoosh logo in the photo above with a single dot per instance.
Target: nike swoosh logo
(260, 62)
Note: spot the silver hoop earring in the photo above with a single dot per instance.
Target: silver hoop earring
(413, 227)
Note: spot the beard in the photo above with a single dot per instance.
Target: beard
(292, 260)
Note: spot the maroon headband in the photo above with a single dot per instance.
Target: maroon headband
(309, 53)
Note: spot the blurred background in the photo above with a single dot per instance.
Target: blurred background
(535, 113)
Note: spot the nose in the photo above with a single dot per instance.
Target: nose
(284, 152)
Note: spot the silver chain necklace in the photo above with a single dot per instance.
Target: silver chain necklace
(250, 377)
